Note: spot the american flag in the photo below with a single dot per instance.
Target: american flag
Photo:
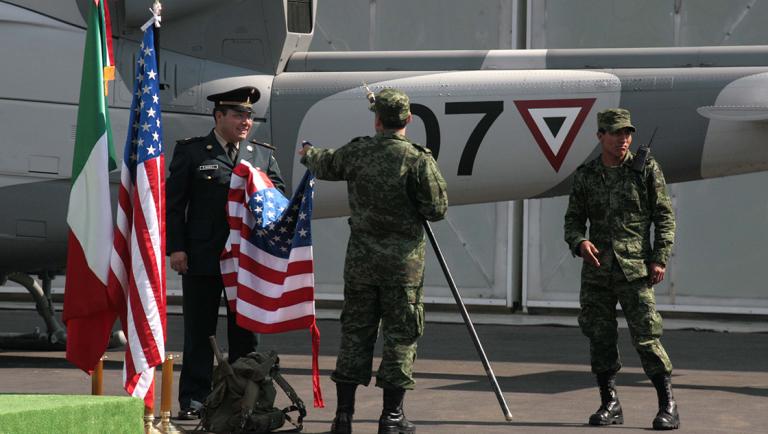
(267, 264)
(137, 265)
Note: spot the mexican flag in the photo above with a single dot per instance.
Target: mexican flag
(88, 313)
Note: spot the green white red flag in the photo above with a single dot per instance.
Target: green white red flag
(88, 312)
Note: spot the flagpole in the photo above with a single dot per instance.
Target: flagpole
(468, 323)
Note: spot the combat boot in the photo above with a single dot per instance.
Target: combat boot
(610, 411)
(392, 420)
(345, 408)
(667, 417)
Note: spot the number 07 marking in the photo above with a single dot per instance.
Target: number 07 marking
(492, 110)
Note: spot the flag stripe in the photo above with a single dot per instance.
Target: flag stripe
(89, 216)
(286, 326)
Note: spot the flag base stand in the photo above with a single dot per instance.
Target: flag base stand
(165, 426)
(149, 419)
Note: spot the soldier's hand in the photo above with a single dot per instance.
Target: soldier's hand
(656, 272)
(304, 146)
(589, 253)
(179, 262)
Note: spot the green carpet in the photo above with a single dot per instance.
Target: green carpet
(35, 414)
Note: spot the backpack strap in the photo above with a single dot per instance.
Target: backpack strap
(297, 403)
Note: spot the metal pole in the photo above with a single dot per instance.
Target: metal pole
(468, 322)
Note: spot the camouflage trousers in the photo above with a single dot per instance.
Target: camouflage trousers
(597, 319)
(400, 312)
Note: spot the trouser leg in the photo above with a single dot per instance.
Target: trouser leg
(402, 324)
(645, 325)
(597, 319)
(201, 296)
(359, 327)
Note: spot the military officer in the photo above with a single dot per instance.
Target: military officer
(197, 230)
(393, 184)
(620, 263)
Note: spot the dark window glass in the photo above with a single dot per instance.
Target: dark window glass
(300, 16)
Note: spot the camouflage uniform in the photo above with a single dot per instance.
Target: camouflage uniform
(393, 185)
(621, 204)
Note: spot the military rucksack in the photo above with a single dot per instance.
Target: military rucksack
(243, 396)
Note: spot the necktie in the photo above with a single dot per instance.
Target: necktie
(232, 151)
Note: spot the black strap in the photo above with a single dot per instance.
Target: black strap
(298, 404)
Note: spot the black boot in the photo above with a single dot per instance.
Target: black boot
(609, 412)
(345, 408)
(667, 417)
(392, 420)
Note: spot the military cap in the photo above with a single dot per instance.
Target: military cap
(240, 99)
(392, 105)
(614, 119)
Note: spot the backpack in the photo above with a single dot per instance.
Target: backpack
(243, 396)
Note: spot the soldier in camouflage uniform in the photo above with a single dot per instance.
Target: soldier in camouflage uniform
(393, 184)
(621, 264)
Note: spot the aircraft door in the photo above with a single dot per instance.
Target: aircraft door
(179, 79)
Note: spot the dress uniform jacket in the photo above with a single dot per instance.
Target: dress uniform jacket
(196, 193)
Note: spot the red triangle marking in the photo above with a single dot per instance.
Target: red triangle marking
(524, 107)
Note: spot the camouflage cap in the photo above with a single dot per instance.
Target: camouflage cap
(392, 105)
(614, 119)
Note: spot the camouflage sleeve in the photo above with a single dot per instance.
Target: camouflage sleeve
(428, 189)
(575, 226)
(326, 164)
(662, 215)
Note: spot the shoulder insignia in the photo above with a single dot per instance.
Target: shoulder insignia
(188, 140)
(266, 145)
(421, 148)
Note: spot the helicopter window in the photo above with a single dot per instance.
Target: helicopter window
(300, 16)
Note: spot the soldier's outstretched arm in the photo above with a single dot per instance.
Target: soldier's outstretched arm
(575, 226)
(663, 216)
(325, 164)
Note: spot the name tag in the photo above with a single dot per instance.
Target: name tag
(208, 167)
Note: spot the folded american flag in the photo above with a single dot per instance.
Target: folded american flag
(267, 264)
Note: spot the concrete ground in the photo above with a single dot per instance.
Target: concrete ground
(720, 378)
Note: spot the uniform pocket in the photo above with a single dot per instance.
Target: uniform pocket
(419, 308)
(414, 296)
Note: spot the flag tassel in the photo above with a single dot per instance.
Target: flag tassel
(317, 392)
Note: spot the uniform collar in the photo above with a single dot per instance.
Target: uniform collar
(389, 134)
(223, 142)
(627, 161)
